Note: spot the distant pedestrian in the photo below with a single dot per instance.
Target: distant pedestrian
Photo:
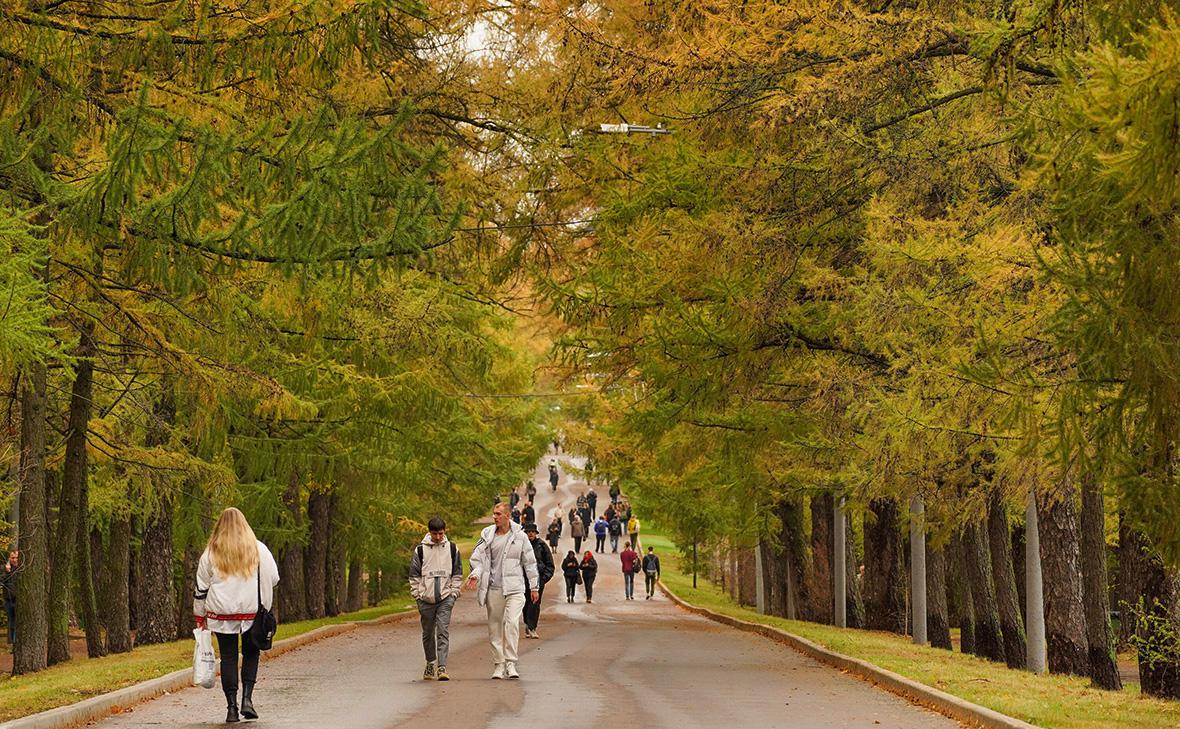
(554, 534)
(633, 531)
(8, 577)
(557, 446)
(577, 531)
(503, 565)
(556, 513)
(531, 491)
(651, 571)
(630, 562)
(600, 529)
(572, 571)
(236, 572)
(592, 502)
(614, 493)
(615, 528)
(514, 498)
(553, 478)
(532, 608)
(609, 512)
(528, 515)
(587, 520)
(589, 568)
(436, 579)
(516, 515)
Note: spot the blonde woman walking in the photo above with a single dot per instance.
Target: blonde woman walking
(236, 571)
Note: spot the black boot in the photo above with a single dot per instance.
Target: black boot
(231, 703)
(248, 711)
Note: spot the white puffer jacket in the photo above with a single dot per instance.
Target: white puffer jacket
(229, 603)
(519, 562)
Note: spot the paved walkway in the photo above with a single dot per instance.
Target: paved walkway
(609, 664)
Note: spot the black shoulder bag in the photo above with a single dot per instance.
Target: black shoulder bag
(262, 632)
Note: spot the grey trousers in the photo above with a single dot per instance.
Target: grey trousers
(436, 629)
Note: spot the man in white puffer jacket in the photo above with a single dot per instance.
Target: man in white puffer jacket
(504, 566)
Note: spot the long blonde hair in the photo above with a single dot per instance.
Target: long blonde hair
(233, 548)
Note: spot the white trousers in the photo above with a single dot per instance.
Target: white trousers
(504, 612)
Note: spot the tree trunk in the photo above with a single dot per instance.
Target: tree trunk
(989, 640)
(184, 597)
(1129, 583)
(95, 646)
(335, 555)
(1156, 616)
(1018, 570)
(315, 560)
(790, 564)
(70, 519)
(938, 628)
(1104, 671)
(884, 583)
(157, 597)
(356, 585)
(960, 584)
(115, 597)
(291, 594)
(1065, 619)
(32, 623)
(819, 577)
(1004, 577)
(745, 574)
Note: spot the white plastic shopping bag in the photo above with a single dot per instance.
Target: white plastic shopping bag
(204, 661)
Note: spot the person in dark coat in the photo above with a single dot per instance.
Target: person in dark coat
(8, 575)
(592, 502)
(615, 528)
(532, 610)
(614, 493)
(587, 520)
(589, 568)
(651, 571)
(572, 571)
(554, 534)
(528, 515)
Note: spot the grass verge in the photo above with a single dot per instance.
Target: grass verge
(1050, 701)
(79, 679)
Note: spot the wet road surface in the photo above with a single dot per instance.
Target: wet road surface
(613, 663)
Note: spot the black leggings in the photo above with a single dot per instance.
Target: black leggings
(588, 584)
(571, 584)
(227, 647)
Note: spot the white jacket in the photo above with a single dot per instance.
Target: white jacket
(438, 573)
(218, 595)
(519, 563)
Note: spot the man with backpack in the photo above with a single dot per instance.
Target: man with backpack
(615, 527)
(436, 578)
(651, 571)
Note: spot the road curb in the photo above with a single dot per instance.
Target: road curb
(99, 707)
(951, 706)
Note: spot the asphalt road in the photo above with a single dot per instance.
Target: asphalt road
(612, 663)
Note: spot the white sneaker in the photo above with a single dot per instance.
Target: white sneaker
(510, 670)
(498, 670)
(536, 634)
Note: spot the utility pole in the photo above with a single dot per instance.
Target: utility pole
(1034, 597)
(918, 567)
(839, 571)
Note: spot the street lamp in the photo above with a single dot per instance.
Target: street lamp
(625, 128)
